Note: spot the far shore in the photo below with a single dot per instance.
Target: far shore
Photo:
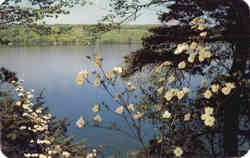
(73, 35)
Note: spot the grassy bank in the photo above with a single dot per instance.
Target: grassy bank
(72, 35)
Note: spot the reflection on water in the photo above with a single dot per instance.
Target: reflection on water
(55, 69)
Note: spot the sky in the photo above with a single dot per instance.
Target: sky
(90, 14)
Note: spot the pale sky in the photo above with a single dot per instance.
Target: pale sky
(91, 14)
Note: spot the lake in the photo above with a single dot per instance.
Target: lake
(54, 69)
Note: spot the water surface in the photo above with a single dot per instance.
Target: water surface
(54, 69)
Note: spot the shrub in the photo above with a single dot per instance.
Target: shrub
(27, 127)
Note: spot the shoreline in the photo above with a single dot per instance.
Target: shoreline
(72, 35)
(68, 45)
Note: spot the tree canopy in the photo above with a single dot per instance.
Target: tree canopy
(31, 11)
(223, 27)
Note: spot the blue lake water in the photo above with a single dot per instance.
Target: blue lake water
(54, 69)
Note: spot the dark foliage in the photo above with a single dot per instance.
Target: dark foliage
(232, 25)
(7, 76)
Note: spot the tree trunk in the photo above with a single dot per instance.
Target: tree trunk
(231, 111)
